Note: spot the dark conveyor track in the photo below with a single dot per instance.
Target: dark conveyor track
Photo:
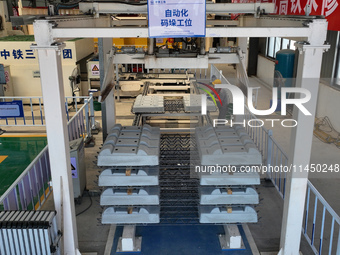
(179, 196)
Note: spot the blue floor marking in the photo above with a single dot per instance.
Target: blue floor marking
(181, 240)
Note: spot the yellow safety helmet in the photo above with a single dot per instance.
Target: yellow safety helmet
(217, 81)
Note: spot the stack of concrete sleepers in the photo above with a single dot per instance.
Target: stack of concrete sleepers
(131, 194)
(228, 172)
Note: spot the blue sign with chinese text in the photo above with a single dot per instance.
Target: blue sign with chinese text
(27, 54)
(176, 18)
(12, 109)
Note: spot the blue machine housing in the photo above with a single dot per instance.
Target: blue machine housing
(285, 65)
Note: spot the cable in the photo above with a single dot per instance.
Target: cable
(325, 132)
(87, 207)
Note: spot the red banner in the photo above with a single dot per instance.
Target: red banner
(328, 8)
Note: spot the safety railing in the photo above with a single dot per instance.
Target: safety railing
(31, 188)
(32, 110)
(35, 117)
(321, 225)
(257, 132)
(83, 122)
(276, 160)
(272, 153)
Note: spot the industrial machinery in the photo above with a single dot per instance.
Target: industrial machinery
(154, 172)
(150, 174)
(149, 167)
(284, 69)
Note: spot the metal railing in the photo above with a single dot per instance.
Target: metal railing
(33, 110)
(276, 158)
(31, 189)
(257, 132)
(34, 118)
(81, 124)
(321, 225)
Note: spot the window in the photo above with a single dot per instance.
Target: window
(274, 44)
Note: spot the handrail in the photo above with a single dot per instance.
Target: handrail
(275, 155)
(42, 153)
(36, 117)
(324, 202)
(273, 150)
(77, 113)
(23, 174)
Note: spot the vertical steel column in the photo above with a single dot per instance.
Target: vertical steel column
(51, 76)
(308, 76)
(202, 46)
(151, 45)
(108, 110)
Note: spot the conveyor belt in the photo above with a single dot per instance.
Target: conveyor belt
(179, 197)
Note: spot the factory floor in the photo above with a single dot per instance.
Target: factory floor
(266, 233)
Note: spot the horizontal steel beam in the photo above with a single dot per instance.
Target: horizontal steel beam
(277, 21)
(80, 21)
(153, 62)
(185, 63)
(258, 32)
(121, 32)
(86, 21)
(221, 8)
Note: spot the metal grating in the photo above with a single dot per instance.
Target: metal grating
(173, 106)
(179, 197)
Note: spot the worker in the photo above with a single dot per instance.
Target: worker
(222, 108)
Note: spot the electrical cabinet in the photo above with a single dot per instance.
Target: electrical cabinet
(78, 167)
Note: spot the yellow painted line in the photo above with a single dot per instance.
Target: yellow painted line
(2, 158)
(42, 198)
(7, 135)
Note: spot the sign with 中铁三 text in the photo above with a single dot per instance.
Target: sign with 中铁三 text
(176, 18)
(12, 109)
